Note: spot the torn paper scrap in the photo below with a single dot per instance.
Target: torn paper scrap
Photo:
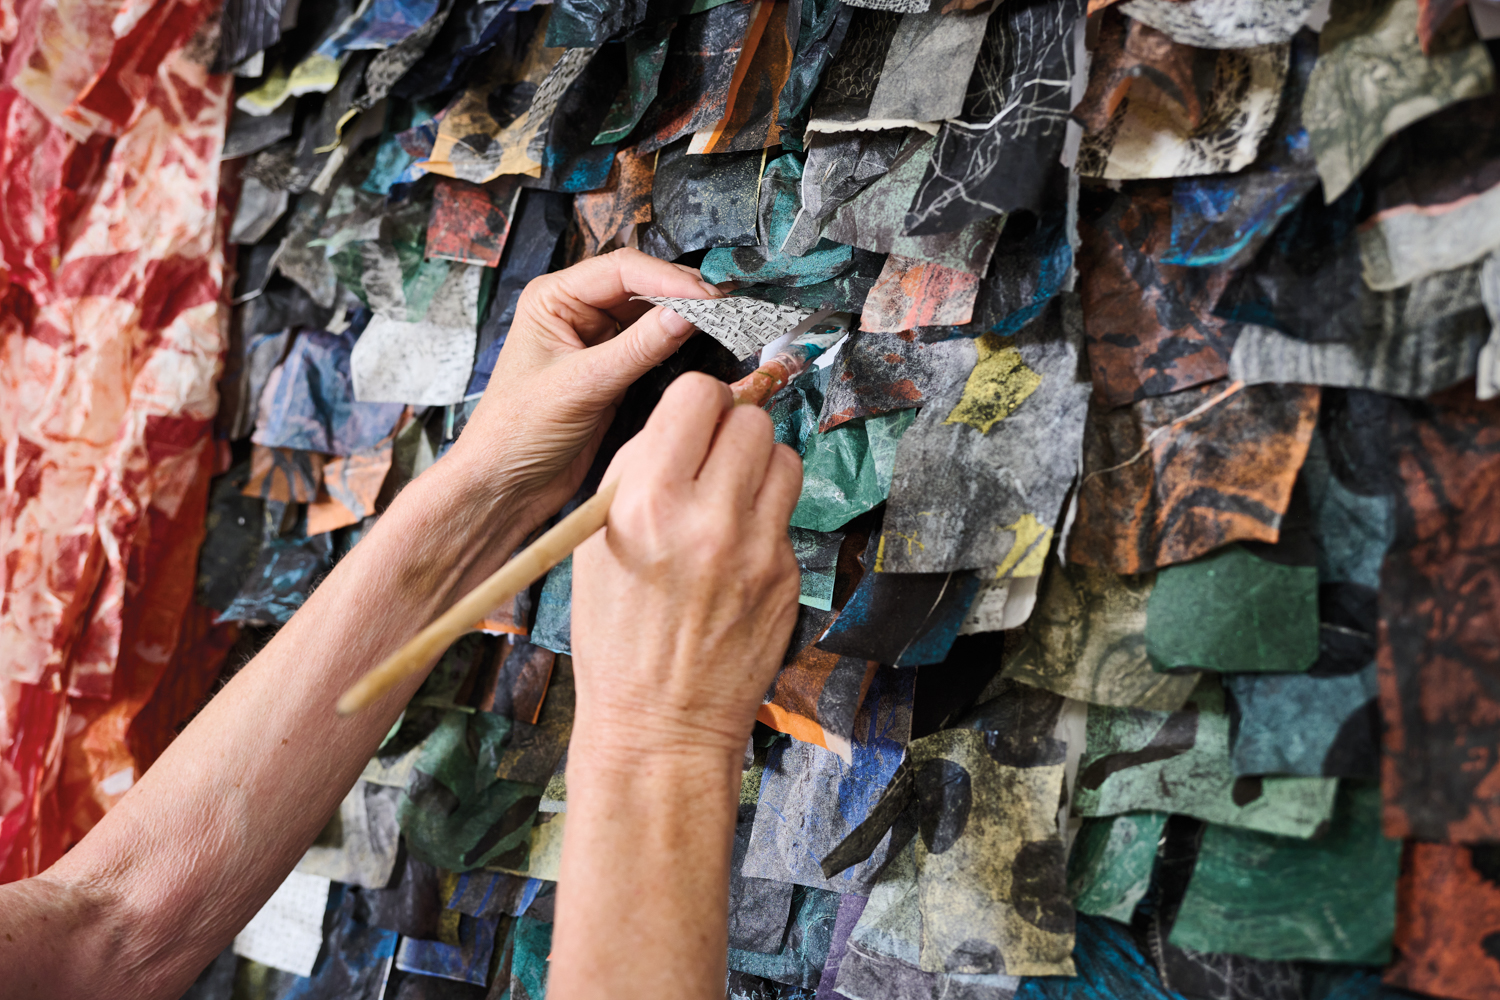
(742, 325)
(288, 931)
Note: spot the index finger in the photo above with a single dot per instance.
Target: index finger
(609, 282)
(680, 430)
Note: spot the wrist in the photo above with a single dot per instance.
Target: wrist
(611, 755)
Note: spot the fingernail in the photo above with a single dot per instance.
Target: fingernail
(674, 324)
(713, 291)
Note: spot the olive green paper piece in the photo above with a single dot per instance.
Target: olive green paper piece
(990, 861)
(1136, 760)
(1233, 612)
(885, 945)
(1372, 80)
(1086, 640)
(1329, 899)
(982, 477)
(1109, 867)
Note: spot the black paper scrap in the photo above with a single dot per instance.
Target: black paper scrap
(702, 201)
(1000, 154)
(875, 219)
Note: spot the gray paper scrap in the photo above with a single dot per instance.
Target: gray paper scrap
(899, 6)
(257, 212)
(1147, 139)
(1487, 378)
(927, 67)
(742, 325)
(427, 362)
(1402, 246)
(362, 839)
(1422, 340)
(288, 931)
(1222, 24)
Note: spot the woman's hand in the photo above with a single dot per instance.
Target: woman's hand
(576, 345)
(683, 605)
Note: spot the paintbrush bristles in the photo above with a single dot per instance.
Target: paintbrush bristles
(526, 568)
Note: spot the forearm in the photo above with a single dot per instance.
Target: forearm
(644, 888)
(214, 826)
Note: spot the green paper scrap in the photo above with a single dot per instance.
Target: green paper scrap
(1233, 612)
(817, 556)
(1372, 80)
(1329, 899)
(845, 471)
(645, 54)
(1109, 869)
(1137, 760)
(456, 814)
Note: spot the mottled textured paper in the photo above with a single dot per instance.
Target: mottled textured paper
(770, 263)
(1222, 24)
(1437, 609)
(702, 201)
(425, 361)
(1150, 326)
(1109, 866)
(1372, 80)
(645, 53)
(1017, 418)
(1416, 341)
(488, 129)
(742, 325)
(911, 293)
(880, 962)
(837, 167)
(1086, 640)
(1179, 762)
(470, 223)
(693, 88)
(1110, 965)
(1000, 152)
(359, 847)
(927, 66)
(842, 100)
(1155, 108)
(751, 118)
(877, 373)
(804, 950)
(810, 799)
(990, 861)
(1329, 899)
(758, 907)
(875, 218)
(1171, 478)
(1436, 197)
(816, 697)
(1222, 220)
(308, 401)
(1449, 912)
(1232, 611)
(455, 813)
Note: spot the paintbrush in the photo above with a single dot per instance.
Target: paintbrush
(528, 565)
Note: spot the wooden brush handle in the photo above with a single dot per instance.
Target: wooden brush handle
(509, 580)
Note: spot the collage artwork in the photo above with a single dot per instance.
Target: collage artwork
(1149, 636)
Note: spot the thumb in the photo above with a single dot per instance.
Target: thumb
(611, 367)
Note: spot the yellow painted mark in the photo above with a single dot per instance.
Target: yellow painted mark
(999, 383)
(1028, 555)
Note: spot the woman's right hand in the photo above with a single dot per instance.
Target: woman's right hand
(683, 605)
